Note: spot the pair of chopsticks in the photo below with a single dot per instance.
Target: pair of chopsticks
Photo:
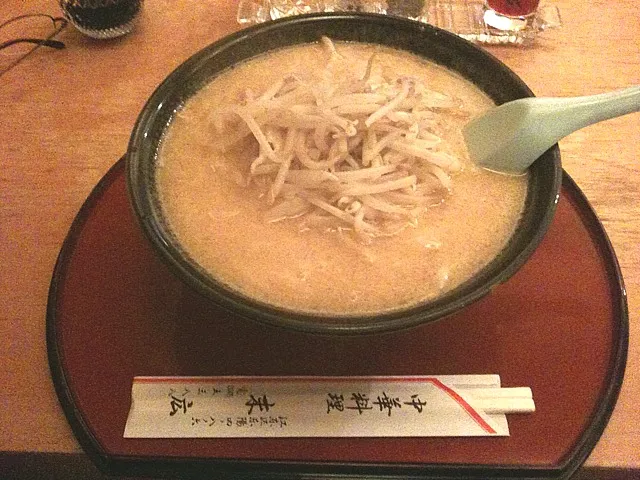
(500, 400)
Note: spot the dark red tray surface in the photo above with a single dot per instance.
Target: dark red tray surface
(559, 326)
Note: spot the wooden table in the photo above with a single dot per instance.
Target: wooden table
(67, 115)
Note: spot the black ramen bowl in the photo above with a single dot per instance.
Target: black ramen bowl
(431, 43)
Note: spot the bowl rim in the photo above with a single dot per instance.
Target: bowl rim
(142, 202)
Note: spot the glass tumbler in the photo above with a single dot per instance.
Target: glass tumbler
(514, 8)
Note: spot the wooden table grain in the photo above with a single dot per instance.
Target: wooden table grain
(66, 117)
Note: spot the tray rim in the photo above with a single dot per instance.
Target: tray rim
(278, 469)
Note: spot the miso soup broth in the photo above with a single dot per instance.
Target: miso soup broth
(373, 208)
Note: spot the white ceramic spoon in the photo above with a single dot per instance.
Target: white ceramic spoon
(509, 138)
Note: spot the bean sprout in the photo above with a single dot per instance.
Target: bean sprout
(362, 155)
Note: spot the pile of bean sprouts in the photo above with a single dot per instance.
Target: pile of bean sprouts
(346, 152)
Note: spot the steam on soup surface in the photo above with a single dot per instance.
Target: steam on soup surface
(334, 180)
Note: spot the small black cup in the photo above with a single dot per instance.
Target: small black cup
(102, 18)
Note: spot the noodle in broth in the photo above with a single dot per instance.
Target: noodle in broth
(334, 180)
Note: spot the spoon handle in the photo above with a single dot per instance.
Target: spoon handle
(571, 114)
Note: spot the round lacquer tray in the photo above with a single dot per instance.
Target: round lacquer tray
(559, 326)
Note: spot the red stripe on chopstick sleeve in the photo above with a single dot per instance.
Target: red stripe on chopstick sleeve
(463, 403)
